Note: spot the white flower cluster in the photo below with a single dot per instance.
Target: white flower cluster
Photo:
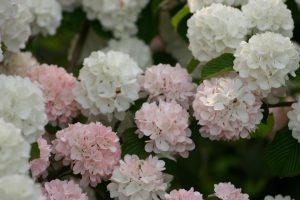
(14, 150)
(22, 104)
(108, 82)
(278, 197)
(294, 120)
(199, 4)
(135, 48)
(69, 5)
(19, 187)
(15, 20)
(215, 30)
(18, 63)
(47, 16)
(266, 15)
(138, 179)
(117, 15)
(266, 60)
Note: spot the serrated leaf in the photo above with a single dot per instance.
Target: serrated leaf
(283, 154)
(264, 128)
(132, 144)
(223, 63)
(35, 151)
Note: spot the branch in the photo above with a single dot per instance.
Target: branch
(76, 50)
(281, 104)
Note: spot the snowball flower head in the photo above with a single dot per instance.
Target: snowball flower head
(57, 86)
(15, 19)
(92, 150)
(22, 104)
(166, 125)
(69, 5)
(215, 30)
(266, 60)
(18, 63)
(108, 82)
(184, 195)
(199, 4)
(227, 191)
(116, 15)
(226, 108)
(294, 120)
(266, 15)
(278, 197)
(138, 179)
(164, 82)
(63, 190)
(39, 166)
(14, 150)
(19, 187)
(135, 48)
(47, 16)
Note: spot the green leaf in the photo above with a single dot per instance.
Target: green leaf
(264, 129)
(179, 21)
(132, 144)
(35, 151)
(283, 154)
(221, 64)
(296, 80)
(192, 65)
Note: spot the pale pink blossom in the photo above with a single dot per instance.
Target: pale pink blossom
(227, 191)
(57, 86)
(226, 108)
(139, 179)
(91, 150)
(184, 195)
(164, 82)
(63, 190)
(39, 166)
(166, 126)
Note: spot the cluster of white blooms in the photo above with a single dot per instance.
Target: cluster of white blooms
(266, 60)
(215, 30)
(22, 104)
(108, 82)
(15, 20)
(47, 16)
(135, 48)
(18, 63)
(278, 197)
(19, 187)
(266, 15)
(138, 179)
(294, 120)
(14, 150)
(69, 5)
(199, 4)
(117, 15)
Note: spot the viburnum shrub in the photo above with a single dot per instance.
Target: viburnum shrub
(149, 99)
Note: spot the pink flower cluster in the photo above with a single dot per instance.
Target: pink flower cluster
(63, 190)
(57, 86)
(166, 125)
(164, 82)
(227, 108)
(92, 150)
(39, 166)
(138, 179)
(184, 195)
(227, 191)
